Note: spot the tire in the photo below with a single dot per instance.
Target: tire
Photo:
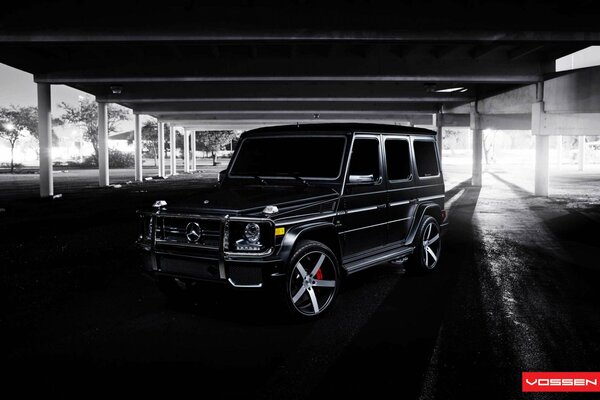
(312, 282)
(428, 247)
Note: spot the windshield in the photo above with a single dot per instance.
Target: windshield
(317, 157)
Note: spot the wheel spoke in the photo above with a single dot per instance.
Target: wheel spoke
(313, 299)
(319, 263)
(428, 234)
(426, 256)
(323, 283)
(301, 269)
(299, 294)
(432, 253)
(433, 239)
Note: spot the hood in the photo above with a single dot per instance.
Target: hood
(251, 200)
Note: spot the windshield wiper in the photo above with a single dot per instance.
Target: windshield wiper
(299, 179)
(260, 179)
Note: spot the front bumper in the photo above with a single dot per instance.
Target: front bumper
(236, 272)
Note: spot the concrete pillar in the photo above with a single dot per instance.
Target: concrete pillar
(437, 123)
(476, 177)
(558, 151)
(193, 138)
(542, 162)
(103, 144)
(186, 150)
(45, 134)
(581, 152)
(173, 146)
(138, 148)
(161, 149)
(542, 145)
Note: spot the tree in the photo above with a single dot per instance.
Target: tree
(15, 122)
(214, 140)
(150, 139)
(489, 140)
(450, 139)
(85, 116)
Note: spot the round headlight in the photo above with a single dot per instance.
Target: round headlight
(252, 232)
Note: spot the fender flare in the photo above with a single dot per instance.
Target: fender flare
(422, 210)
(296, 233)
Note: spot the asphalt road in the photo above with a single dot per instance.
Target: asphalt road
(516, 291)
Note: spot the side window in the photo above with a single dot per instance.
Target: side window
(365, 158)
(397, 157)
(426, 159)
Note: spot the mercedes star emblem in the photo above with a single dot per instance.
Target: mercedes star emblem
(193, 232)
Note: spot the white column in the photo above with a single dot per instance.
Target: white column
(45, 134)
(137, 135)
(193, 138)
(542, 144)
(161, 149)
(581, 154)
(103, 144)
(542, 161)
(173, 146)
(437, 123)
(558, 151)
(476, 178)
(186, 150)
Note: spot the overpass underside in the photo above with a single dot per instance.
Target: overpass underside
(239, 65)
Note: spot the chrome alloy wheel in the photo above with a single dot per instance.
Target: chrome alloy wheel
(431, 245)
(313, 283)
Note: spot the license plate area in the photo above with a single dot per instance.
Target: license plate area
(194, 268)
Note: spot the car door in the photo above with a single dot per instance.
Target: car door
(401, 199)
(362, 216)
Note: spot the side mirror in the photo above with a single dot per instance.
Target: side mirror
(361, 180)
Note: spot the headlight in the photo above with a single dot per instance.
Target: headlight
(245, 236)
(252, 233)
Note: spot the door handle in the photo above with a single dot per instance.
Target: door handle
(382, 206)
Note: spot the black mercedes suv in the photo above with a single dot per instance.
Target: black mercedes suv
(299, 208)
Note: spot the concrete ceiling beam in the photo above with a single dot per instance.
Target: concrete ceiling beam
(475, 77)
(289, 107)
(314, 35)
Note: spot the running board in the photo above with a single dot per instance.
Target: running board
(391, 255)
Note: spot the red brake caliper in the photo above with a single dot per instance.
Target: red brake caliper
(319, 275)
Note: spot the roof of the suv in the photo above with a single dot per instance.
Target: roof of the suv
(344, 127)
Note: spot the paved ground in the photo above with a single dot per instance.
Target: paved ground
(67, 181)
(516, 290)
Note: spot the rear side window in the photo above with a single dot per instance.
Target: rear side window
(365, 158)
(397, 157)
(426, 159)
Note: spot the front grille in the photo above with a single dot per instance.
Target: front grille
(173, 230)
